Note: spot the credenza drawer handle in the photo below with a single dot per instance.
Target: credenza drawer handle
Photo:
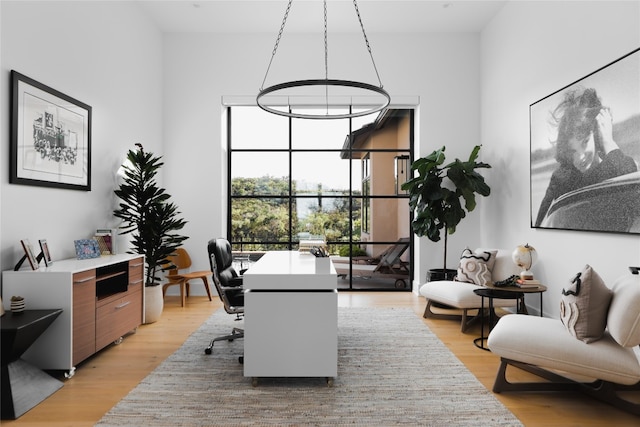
(137, 265)
(85, 279)
(123, 305)
(135, 282)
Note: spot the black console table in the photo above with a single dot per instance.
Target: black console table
(23, 385)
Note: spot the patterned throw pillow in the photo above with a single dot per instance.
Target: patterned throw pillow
(585, 305)
(475, 267)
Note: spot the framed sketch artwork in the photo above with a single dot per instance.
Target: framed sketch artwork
(585, 152)
(50, 137)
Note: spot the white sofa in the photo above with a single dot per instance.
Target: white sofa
(545, 347)
(460, 295)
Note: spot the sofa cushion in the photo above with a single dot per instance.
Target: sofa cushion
(458, 295)
(545, 342)
(584, 305)
(476, 267)
(623, 321)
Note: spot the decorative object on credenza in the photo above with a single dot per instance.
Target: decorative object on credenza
(28, 255)
(330, 93)
(18, 304)
(106, 240)
(86, 248)
(585, 150)
(50, 137)
(45, 254)
(525, 256)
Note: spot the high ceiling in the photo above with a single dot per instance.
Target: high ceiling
(265, 16)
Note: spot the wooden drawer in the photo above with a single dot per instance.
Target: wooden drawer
(136, 274)
(84, 315)
(117, 315)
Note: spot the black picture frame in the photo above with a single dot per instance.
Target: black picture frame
(568, 197)
(45, 252)
(50, 137)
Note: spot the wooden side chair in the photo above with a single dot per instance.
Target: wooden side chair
(181, 275)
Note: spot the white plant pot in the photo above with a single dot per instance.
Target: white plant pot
(153, 303)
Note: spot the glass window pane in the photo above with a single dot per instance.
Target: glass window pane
(259, 173)
(324, 172)
(319, 134)
(359, 122)
(382, 170)
(252, 127)
(260, 220)
(388, 219)
(323, 216)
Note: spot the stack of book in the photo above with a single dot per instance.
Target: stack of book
(106, 240)
(527, 283)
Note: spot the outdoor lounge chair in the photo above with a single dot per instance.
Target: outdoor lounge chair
(389, 264)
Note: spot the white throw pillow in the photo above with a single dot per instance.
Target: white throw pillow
(475, 267)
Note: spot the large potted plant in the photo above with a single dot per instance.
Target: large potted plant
(436, 194)
(152, 219)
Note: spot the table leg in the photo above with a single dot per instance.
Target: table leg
(479, 342)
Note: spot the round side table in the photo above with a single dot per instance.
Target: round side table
(506, 292)
(491, 294)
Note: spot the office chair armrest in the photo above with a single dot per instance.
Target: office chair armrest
(235, 282)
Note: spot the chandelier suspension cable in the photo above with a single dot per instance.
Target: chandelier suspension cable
(326, 82)
(366, 41)
(326, 59)
(275, 47)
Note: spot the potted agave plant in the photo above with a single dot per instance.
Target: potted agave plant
(436, 194)
(152, 219)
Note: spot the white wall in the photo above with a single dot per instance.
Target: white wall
(442, 70)
(165, 92)
(105, 54)
(530, 50)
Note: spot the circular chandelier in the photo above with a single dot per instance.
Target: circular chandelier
(329, 85)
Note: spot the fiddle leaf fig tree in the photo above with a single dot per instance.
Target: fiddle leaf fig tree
(437, 192)
(148, 214)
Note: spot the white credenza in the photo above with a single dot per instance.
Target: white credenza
(101, 298)
(291, 317)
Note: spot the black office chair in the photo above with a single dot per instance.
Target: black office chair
(228, 283)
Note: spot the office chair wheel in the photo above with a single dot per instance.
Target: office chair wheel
(254, 382)
(329, 382)
(241, 360)
(208, 350)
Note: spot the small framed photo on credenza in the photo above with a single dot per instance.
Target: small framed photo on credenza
(46, 254)
(28, 251)
(87, 248)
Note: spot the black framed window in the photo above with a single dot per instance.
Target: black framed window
(293, 180)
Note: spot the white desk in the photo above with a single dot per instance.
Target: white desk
(291, 318)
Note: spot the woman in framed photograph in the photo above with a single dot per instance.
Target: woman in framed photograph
(585, 149)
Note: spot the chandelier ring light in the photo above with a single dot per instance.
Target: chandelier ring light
(326, 82)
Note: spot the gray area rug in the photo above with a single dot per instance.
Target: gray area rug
(392, 370)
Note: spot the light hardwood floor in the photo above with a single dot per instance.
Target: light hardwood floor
(100, 382)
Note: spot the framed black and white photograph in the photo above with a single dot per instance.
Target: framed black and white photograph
(50, 137)
(46, 254)
(585, 152)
